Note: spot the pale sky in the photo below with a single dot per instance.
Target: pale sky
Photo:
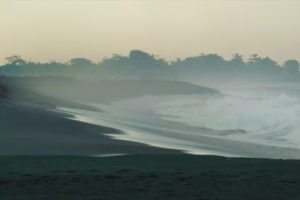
(47, 30)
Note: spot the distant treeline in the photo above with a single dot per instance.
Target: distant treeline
(141, 65)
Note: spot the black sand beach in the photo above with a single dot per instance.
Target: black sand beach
(30, 124)
(35, 130)
(147, 177)
(46, 155)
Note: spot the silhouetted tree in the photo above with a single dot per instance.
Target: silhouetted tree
(80, 62)
(142, 65)
(291, 68)
(254, 58)
(237, 60)
(264, 68)
(15, 60)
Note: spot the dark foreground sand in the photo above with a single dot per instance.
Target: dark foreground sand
(148, 177)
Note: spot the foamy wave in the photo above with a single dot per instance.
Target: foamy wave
(267, 117)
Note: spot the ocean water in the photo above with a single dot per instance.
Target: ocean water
(248, 123)
(268, 118)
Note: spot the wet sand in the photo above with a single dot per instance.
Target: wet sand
(36, 130)
(148, 177)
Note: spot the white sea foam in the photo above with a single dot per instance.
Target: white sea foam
(235, 124)
(274, 118)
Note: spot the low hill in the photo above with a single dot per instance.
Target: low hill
(98, 91)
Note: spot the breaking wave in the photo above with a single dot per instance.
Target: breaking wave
(272, 118)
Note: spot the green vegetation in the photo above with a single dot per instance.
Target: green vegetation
(143, 66)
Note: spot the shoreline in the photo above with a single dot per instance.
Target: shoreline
(31, 126)
(36, 130)
(148, 128)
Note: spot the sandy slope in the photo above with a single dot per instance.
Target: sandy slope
(33, 130)
(29, 127)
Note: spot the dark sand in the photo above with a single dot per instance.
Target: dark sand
(148, 177)
(35, 130)
(155, 174)
(31, 126)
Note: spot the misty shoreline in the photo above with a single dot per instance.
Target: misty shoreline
(34, 130)
(45, 96)
(31, 124)
(36, 139)
(152, 129)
